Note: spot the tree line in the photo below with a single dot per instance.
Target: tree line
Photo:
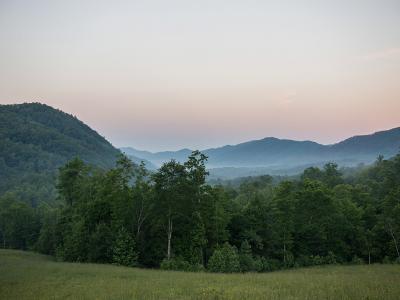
(173, 219)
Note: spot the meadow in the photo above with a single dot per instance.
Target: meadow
(27, 275)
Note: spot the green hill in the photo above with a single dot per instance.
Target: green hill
(35, 140)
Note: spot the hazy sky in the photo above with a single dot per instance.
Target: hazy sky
(170, 74)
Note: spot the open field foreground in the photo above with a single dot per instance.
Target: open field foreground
(25, 275)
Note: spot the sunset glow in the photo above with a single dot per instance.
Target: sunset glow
(161, 75)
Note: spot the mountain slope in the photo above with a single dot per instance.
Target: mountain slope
(384, 142)
(35, 140)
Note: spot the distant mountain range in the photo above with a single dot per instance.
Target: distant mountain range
(281, 156)
(36, 139)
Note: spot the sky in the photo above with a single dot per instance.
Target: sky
(160, 75)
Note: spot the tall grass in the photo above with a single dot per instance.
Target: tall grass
(25, 275)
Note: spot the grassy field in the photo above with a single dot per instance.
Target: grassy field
(25, 275)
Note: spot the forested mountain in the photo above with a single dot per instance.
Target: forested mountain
(281, 156)
(114, 211)
(35, 140)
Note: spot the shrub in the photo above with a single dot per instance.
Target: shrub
(304, 261)
(124, 250)
(289, 260)
(259, 264)
(317, 260)
(224, 260)
(330, 259)
(357, 260)
(386, 260)
(270, 265)
(246, 258)
(175, 264)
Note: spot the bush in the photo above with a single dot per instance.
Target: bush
(270, 265)
(304, 261)
(124, 249)
(317, 260)
(357, 260)
(224, 260)
(176, 264)
(330, 259)
(289, 261)
(386, 260)
(259, 264)
(246, 258)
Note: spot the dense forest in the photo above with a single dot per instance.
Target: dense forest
(173, 219)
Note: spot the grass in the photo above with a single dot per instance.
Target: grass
(26, 275)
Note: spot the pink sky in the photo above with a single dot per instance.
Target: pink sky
(198, 75)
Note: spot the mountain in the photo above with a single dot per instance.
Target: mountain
(385, 142)
(158, 158)
(35, 140)
(282, 156)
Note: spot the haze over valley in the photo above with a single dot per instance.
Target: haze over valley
(282, 157)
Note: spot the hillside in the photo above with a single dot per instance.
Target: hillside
(35, 140)
(282, 156)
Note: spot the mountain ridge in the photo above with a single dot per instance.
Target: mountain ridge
(37, 139)
(285, 153)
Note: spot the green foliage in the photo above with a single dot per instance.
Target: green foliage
(124, 249)
(270, 265)
(48, 236)
(330, 259)
(247, 262)
(224, 260)
(180, 264)
(19, 224)
(35, 140)
(357, 260)
(174, 220)
(175, 264)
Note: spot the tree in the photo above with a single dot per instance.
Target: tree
(142, 198)
(19, 224)
(180, 190)
(246, 257)
(47, 239)
(171, 189)
(224, 260)
(198, 239)
(70, 176)
(332, 176)
(124, 249)
(283, 214)
(391, 218)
